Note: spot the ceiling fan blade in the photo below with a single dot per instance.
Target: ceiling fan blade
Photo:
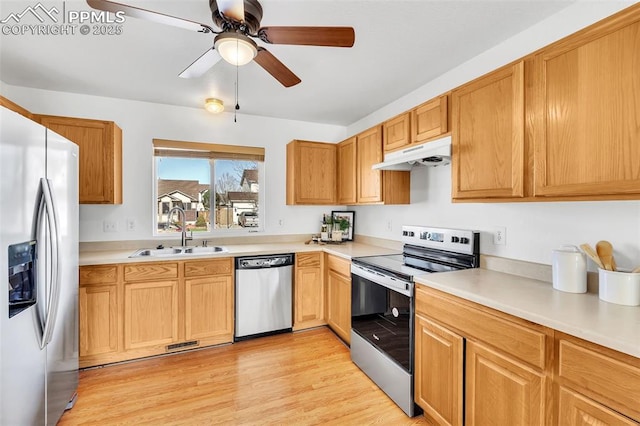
(233, 9)
(201, 65)
(309, 36)
(277, 69)
(136, 12)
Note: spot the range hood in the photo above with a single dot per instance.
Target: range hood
(432, 153)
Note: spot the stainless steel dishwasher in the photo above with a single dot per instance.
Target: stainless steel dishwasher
(263, 295)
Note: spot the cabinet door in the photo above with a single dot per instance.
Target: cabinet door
(347, 171)
(439, 365)
(309, 291)
(429, 119)
(100, 142)
(397, 132)
(150, 314)
(501, 390)
(488, 136)
(339, 304)
(98, 318)
(209, 308)
(311, 173)
(577, 410)
(588, 102)
(368, 153)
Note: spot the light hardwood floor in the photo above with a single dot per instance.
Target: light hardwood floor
(301, 378)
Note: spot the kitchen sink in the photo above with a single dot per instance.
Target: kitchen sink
(177, 251)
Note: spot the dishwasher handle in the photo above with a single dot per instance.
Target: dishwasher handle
(261, 262)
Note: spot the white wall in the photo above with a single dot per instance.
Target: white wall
(141, 122)
(533, 229)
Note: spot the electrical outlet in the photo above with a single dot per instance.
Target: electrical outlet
(280, 222)
(131, 224)
(389, 225)
(109, 226)
(500, 235)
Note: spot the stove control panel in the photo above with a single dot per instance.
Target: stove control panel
(455, 240)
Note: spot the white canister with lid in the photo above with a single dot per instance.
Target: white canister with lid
(569, 268)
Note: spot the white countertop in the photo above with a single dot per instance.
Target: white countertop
(345, 250)
(581, 315)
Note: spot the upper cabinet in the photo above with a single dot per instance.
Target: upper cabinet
(100, 160)
(561, 124)
(347, 171)
(488, 135)
(587, 105)
(397, 132)
(311, 173)
(377, 186)
(430, 119)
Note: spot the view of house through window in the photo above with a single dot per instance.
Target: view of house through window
(217, 189)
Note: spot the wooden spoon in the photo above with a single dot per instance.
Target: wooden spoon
(589, 251)
(605, 253)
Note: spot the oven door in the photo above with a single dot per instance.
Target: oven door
(383, 317)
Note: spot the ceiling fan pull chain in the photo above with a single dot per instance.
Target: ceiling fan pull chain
(237, 83)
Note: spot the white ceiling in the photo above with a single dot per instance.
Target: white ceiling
(400, 46)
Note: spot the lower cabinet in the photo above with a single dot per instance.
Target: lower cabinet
(135, 310)
(308, 291)
(339, 296)
(439, 361)
(500, 361)
(501, 390)
(514, 372)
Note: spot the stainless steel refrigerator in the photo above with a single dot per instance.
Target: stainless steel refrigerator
(39, 272)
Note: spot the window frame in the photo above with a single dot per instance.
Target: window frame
(243, 153)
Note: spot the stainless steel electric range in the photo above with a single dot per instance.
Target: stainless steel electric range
(382, 303)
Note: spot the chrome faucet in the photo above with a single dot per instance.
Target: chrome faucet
(184, 224)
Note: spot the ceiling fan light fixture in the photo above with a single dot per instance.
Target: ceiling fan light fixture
(214, 105)
(236, 48)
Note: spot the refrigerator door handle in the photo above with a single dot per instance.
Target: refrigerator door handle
(47, 205)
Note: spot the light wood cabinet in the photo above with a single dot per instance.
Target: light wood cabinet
(339, 296)
(150, 314)
(503, 361)
(587, 105)
(397, 132)
(308, 310)
(577, 410)
(500, 390)
(135, 310)
(439, 363)
(311, 173)
(377, 186)
(596, 380)
(347, 182)
(100, 162)
(488, 126)
(430, 119)
(98, 310)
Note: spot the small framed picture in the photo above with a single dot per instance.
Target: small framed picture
(344, 221)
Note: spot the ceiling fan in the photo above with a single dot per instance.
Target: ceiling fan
(239, 22)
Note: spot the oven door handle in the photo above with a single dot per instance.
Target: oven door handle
(400, 286)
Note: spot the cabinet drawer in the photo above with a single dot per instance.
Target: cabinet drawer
(308, 260)
(339, 265)
(150, 271)
(98, 274)
(575, 409)
(598, 373)
(202, 268)
(519, 340)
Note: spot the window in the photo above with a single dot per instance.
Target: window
(217, 187)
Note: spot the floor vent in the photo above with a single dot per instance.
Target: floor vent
(182, 345)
